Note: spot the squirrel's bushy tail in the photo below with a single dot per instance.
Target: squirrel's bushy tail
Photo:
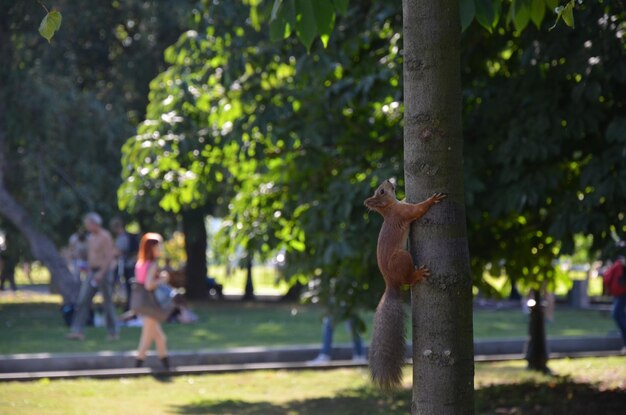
(388, 346)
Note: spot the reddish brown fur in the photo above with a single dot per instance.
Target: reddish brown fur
(395, 263)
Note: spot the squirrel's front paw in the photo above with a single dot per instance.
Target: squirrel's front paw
(437, 197)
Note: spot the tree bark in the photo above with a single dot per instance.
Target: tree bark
(294, 293)
(537, 348)
(42, 247)
(248, 294)
(443, 357)
(195, 247)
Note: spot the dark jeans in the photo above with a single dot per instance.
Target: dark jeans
(619, 314)
(327, 335)
(85, 297)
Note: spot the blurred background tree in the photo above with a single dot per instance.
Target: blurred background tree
(291, 142)
(66, 108)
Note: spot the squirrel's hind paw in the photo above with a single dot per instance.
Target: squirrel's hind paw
(419, 274)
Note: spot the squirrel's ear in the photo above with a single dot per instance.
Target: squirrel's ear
(392, 181)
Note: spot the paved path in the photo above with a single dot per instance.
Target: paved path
(118, 364)
(232, 368)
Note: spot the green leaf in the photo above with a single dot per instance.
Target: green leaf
(50, 24)
(552, 4)
(325, 19)
(282, 20)
(468, 11)
(305, 25)
(277, 28)
(537, 11)
(568, 14)
(275, 8)
(485, 13)
(341, 6)
(521, 14)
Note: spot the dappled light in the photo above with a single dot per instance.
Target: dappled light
(211, 176)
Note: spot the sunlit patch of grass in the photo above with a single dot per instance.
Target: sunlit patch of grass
(38, 274)
(28, 297)
(266, 279)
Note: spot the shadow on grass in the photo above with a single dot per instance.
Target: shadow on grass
(349, 402)
(558, 397)
(561, 397)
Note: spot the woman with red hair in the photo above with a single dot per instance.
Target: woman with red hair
(147, 274)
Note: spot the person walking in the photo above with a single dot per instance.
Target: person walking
(615, 283)
(147, 274)
(126, 246)
(100, 257)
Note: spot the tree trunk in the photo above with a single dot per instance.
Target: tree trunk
(537, 348)
(195, 247)
(443, 354)
(294, 293)
(248, 294)
(514, 295)
(42, 248)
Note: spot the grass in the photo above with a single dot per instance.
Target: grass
(32, 324)
(595, 285)
(585, 386)
(266, 279)
(36, 327)
(567, 322)
(38, 274)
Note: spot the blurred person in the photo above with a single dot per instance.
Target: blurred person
(327, 342)
(126, 245)
(147, 275)
(26, 269)
(100, 257)
(78, 253)
(9, 256)
(7, 270)
(615, 284)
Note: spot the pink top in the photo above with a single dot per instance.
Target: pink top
(141, 271)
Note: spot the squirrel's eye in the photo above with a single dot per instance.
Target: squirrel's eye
(382, 191)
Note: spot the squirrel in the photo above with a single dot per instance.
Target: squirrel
(388, 345)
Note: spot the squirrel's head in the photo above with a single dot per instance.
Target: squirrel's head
(384, 196)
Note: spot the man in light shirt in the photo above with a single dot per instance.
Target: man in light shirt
(100, 258)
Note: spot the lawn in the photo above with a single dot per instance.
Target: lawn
(33, 324)
(584, 386)
(266, 279)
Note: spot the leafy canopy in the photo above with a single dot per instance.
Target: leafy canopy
(287, 144)
(310, 19)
